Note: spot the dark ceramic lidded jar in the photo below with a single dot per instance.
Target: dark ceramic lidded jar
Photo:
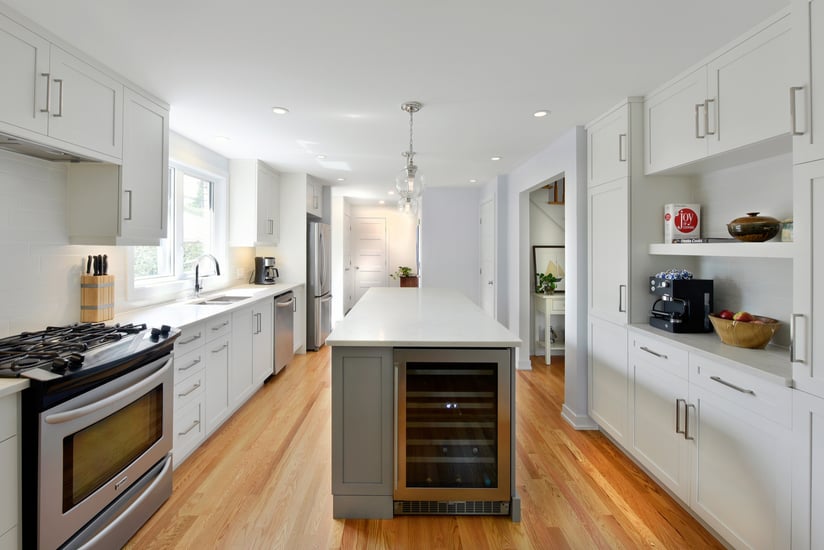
(754, 228)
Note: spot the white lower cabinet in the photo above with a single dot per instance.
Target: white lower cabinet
(808, 471)
(217, 381)
(608, 380)
(189, 364)
(9, 472)
(717, 437)
(244, 324)
(263, 340)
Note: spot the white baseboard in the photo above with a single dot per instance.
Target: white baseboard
(578, 421)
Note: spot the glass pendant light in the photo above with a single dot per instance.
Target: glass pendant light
(408, 205)
(409, 182)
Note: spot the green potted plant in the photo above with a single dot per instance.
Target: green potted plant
(404, 275)
(546, 283)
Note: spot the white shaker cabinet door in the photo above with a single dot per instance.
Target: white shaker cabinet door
(217, 382)
(608, 147)
(608, 378)
(608, 219)
(263, 340)
(24, 66)
(808, 471)
(748, 89)
(87, 105)
(807, 94)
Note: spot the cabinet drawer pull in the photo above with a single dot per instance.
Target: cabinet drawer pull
(793, 126)
(622, 290)
(190, 365)
(221, 348)
(189, 340)
(48, 93)
(622, 143)
(189, 391)
(194, 425)
(221, 325)
(698, 133)
(731, 385)
(678, 402)
(655, 353)
(59, 112)
(687, 408)
(128, 216)
(793, 340)
(707, 118)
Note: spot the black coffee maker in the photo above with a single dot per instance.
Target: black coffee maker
(265, 271)
(683, 305)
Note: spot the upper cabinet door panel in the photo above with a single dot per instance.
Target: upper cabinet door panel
(87, 105)
(808, 49)
(24, 66)
(748, 89)
(675, 120)
(608, 147)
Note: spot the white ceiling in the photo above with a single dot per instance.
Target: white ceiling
(343, 68)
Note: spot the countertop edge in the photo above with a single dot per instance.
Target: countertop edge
(10, 386)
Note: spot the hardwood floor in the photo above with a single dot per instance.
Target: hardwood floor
(263, 481)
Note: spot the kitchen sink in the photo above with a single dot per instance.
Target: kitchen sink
(219, 300)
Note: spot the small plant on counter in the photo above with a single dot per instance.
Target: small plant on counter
(402, 271)
(546, 282)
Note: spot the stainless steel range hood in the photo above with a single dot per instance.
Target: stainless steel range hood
(31, 149)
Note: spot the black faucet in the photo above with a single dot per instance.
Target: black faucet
(198, 286)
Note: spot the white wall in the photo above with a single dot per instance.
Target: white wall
(566, 155)
(450, 239)
(400, 235)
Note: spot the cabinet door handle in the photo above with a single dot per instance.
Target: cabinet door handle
(189, 391)
(48, 93)
(655, 353)
(271, 225)
(687, 408)
(194, 425)
(707, 118)
(622, 290)
(221, 348)
(678, 403)
(698, 134)
(189, 340)
(220, 326)
(190, 365)
(794, 127)
(59, 112)
(395, 403)
(731, 385)
(793, 340)
(128, 192)
(622, 144)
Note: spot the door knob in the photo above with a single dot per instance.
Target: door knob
(489, 283)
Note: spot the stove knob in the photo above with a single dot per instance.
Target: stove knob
(164, 330)
(155, 335)
(59, 365)
(75, 361)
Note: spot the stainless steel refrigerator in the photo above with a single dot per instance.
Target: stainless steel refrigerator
(319, 285)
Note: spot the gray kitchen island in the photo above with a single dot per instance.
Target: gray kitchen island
(423, 408)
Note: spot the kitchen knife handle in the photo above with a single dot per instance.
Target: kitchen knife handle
(48, 93)
(89, 265)
(96, 265)
(104, 265)
(129, 209)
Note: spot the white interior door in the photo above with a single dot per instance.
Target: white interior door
(488, 257)
(369, 254)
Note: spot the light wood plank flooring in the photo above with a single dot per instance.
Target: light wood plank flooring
(263, 481)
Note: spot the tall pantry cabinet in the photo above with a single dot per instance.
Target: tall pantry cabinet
(617, 254)
(807, 352)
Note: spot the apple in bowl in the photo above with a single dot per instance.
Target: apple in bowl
(743, 316)
(725, 314)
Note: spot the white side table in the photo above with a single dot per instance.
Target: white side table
(549, 305)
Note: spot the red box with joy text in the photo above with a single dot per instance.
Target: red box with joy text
(682, 221)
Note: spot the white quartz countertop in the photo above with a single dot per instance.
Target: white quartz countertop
(9, 386)
(419, 317)
(772, 364)
(186, 312)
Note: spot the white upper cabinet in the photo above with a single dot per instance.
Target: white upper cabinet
(675, 122)
(608, 218)
(86, 105)
(314, 197)
(254, 188)
(737, 98)
(808, 84)
(608, 147)
(24, 66)
(748, 87)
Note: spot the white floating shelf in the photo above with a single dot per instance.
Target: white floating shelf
(770, 249)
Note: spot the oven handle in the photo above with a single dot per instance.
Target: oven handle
(68, 416)
(101, 536)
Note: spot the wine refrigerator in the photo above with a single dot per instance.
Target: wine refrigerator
(453, 431)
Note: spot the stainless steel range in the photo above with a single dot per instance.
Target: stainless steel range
(96, 430)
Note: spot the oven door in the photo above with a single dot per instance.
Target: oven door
(94, 447)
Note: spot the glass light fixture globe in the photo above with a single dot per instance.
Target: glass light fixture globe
(408, 205)
(409, 182)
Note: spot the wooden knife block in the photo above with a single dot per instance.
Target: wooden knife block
(96, 298)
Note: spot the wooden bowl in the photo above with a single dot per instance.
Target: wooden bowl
(744, 334)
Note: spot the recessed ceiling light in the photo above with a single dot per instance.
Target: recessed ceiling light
(494, 158)
(381, 202)
(540, 114)
(341, 179)
(223, 138)
(390, 192)
(473, 181)
(280, 110)
(320, 157)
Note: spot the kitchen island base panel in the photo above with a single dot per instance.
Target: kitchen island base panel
(362, 507)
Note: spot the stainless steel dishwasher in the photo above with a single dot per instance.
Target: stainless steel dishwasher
(285, 306)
